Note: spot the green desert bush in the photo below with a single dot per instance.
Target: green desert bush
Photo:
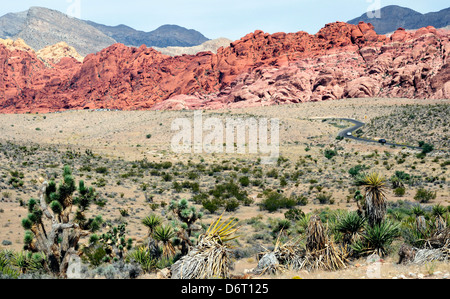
(424, 196)
(399, 191)
(273, 201)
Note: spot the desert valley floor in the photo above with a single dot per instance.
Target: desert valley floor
(105, 149)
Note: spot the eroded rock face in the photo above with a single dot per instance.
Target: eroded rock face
(55, 53)
(260, 69)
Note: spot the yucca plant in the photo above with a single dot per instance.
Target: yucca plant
(28, 262)
(321, 252)
(152, 222)
(351, 226)
(316, 238)
(143, 257)
(210, 258)
(438, 210)
(432, 233)
(375, 199)
(417, 210)
(6, 267)
(164, 234)
(302, 223)
(377, 238)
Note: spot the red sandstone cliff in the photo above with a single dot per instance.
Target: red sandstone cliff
(340, 61)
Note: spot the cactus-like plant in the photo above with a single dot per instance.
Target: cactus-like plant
(187, 214)
(375, 199)
(49, 229)
(211, 257)
(152, 222)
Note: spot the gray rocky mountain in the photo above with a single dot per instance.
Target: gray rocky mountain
(393, 17)
(164, 36)
(41, 27)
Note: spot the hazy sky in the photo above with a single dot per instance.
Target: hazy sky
(229, 18)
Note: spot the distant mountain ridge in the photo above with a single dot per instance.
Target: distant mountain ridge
(394, 17)
(44, 27)
(41, 27)
(164, 36)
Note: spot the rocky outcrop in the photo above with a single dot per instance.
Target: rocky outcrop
(55, 53)
(209, 46)
(50, 55)
(18, 44)
(341, 60)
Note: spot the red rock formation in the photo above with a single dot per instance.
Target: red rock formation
(341, 60)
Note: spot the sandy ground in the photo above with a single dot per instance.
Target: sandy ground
(123, 136)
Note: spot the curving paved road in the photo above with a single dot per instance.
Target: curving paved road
(358, 125)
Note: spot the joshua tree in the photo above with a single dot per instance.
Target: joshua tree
(59, 240)
(187, 214)
(375, 199)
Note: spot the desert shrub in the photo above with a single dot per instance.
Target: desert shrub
(200, 197)
(294, 214)
(274, 201)
(300, 200)
(329, 153)
(273, 173)
(325, 198)
(211, 205)
(356, 170)
(399, 191)
(400, 178)
(424, 196)
(231, 204)
(167, 177)
(16, 179)
(283, 182)
(230, 190)
(192, 175)
(427, 148)
(244, 181)
(102, 170)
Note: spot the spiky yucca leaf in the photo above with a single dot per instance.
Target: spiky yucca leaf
(223, 231)
(351, 226)
(377, 238)
(210, 258)
(151, 222)
(164, 234)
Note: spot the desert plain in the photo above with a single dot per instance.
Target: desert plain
(106, 148)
